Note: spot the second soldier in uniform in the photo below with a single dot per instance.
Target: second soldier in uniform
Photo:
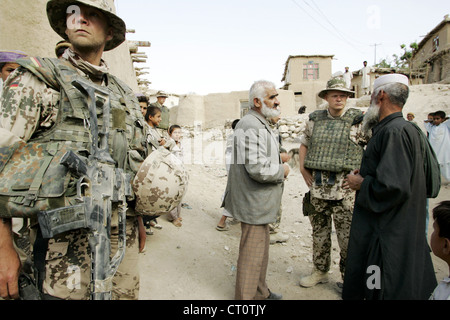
(331, 146)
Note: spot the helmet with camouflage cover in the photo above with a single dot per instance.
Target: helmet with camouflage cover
(160, 183)
(57, 16)
(335, 84)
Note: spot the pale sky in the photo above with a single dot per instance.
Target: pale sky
(211, 46)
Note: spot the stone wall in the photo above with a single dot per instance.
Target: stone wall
(216, 109)
(291, 128)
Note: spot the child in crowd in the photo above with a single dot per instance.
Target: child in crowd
(143, 102)
(440, 244)
(410, 116)
(175, 134)
(153, 118)
(439, 136)
(154, 140)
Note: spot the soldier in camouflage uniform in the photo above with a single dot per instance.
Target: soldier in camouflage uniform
(38, 99)
(331, 146)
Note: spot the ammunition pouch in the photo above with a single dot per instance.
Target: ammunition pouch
(308, 208)
(56, 221)
(32, 179)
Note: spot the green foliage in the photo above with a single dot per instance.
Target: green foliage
(402, 61)
(384, 63)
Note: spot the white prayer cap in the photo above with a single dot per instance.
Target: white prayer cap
(390, 78)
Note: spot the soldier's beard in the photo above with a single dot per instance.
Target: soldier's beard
(269, 113)
(371, 118)
(85, 49)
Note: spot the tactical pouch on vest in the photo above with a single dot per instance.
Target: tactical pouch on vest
(32, 179)
(308, 208)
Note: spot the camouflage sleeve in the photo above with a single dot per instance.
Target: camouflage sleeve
(27, 104)
(359, 136)
(7, 138)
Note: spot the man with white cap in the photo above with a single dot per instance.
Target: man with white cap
(388, 255)
(348, 76)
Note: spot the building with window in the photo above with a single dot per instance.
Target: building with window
(306, 76)
(432, 58)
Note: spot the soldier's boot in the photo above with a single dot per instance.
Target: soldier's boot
(314, 278)
(278, 238)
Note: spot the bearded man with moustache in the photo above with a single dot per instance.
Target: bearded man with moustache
(388, 255)
(254, 190)
(331, 147)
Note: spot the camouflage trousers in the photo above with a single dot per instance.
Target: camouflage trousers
(68, 265)
(341, 211)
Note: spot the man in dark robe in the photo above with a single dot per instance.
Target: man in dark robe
(388, 255)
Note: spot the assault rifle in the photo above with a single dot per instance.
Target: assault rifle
(99, 185)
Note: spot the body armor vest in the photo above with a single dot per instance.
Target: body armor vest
(73, 118)
(331, 148)
(31, 176)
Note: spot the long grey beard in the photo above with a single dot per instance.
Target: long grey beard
(269, 113)
(371, 118)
